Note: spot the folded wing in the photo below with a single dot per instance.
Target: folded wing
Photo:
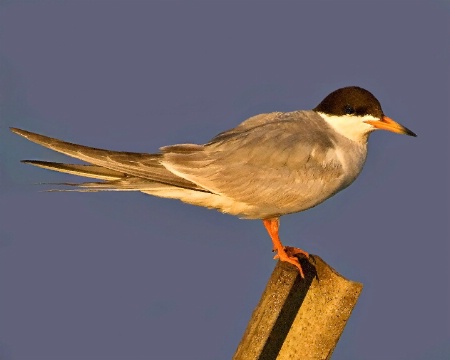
(282, 162)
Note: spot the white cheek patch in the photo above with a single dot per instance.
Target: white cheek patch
(352, 127)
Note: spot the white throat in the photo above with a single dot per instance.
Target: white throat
(352, 127)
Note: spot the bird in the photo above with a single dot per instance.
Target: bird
(269, 165)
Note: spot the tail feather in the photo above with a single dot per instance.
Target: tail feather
(126, 184)
(90, 171)
(107, 164)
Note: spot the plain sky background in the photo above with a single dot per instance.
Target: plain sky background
(129, 276)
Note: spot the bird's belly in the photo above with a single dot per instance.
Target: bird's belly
(268, 200)
(303, 199)
(303, 196)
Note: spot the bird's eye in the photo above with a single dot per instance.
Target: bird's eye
(349, 109)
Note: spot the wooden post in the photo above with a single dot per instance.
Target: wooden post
(299, 319)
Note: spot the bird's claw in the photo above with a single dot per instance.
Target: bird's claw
(292, 252)
(284, 256)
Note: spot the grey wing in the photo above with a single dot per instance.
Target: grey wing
(108, 165)
(248, 124)
(283, 165)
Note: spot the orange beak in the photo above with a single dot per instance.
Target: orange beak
(387, 123)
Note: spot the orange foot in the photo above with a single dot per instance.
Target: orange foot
(283, 256)
(284, 253)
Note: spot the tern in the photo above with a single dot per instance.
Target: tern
(269, 165)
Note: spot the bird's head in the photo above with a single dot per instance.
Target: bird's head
(354, 112)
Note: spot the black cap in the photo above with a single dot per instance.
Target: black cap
(351, 100)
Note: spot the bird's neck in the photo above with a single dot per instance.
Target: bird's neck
(352, 127)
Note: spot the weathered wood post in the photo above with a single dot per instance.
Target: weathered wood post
(299, 319)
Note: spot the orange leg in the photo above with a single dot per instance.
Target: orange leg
(283, 253)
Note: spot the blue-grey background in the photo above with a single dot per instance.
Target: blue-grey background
(129, 276)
